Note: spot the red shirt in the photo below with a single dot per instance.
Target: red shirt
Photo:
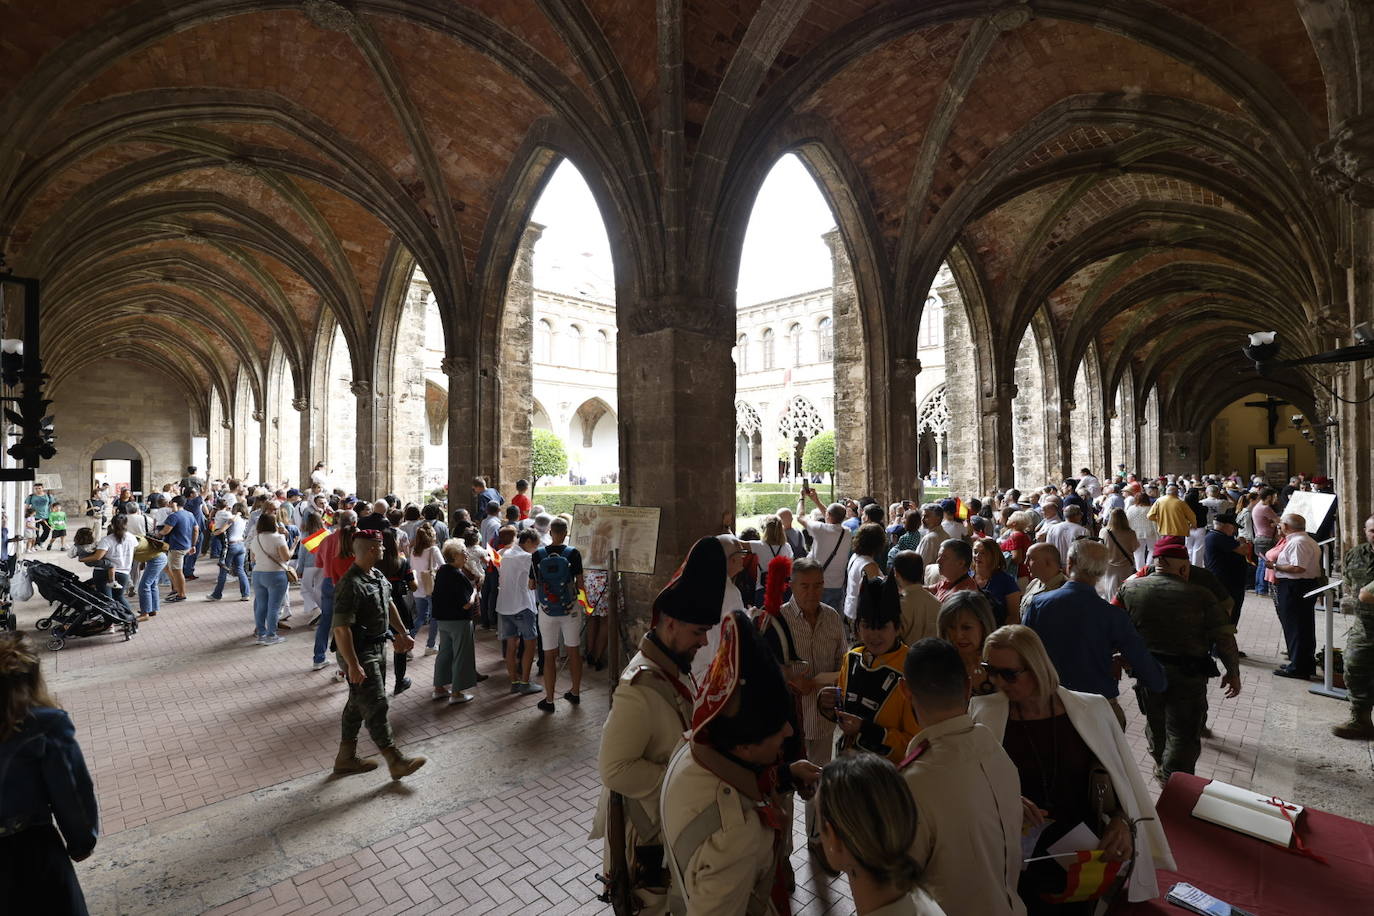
(944, 589)
(1014, 541)
(521, 502)
(327, 558)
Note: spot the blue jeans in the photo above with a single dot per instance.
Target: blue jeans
(422, 617)
(326, 619)
(188, 563)
(149, 598)
(232, 563)
(269, 591)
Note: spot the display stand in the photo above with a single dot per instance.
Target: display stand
(1327, 687)
(615, 633)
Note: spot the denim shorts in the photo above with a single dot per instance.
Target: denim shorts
(516, 626)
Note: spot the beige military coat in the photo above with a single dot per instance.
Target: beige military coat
(728, 870)
(648, 718)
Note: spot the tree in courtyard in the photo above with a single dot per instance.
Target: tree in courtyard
(819, 457)
(548, 456)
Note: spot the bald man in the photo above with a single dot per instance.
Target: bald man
(1046, 566)
(1297, 571)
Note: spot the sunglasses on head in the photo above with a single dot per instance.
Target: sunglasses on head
(1007, 674)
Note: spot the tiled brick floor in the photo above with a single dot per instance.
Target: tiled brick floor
(191, 713)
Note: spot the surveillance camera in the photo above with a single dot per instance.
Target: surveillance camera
(1263, 346)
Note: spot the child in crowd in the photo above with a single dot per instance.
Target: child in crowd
(83, 545)
(57, 520)
(30, 528)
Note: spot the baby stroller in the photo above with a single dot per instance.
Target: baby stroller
(80, 610)
(7, 567)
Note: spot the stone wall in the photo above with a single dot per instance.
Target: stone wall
(96, 405)
(1030, 469)
(516, 340)
(405, 398)
(852, 401)
(961, 394)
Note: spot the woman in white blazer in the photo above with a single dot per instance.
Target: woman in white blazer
(1057, 737)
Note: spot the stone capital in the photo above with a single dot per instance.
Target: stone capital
(258, 416)
(300, 403)
(1068, 405)
(906, 368)
(456, 366)
(1345, 163)
(679, 313)
(224, 421)
(361, 389)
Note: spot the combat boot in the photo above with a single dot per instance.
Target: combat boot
(1358, 726)
(348, 762)
(399, 764)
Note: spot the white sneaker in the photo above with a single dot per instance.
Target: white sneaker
(459, 698)
(319, 666)
(430, 650)
(272, 640)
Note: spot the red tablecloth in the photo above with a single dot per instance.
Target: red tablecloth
(1258, 876)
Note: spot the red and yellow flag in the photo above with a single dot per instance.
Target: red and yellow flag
(313, 541)
(1090, 876)
(582, 600)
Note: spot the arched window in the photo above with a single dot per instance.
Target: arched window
(543, 341)
(742, 354)
(825, 341)
(768, 355)
(607, 355)
(932, 330)
(577, 356)
(794, 336)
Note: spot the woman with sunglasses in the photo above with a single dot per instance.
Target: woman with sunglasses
(966, 620)
(868, 827)
(1076, 768)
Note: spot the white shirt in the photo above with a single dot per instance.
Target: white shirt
(235, 528)
(854, 578)
(765, 552)
(515, 595)
(1092, 483)
(1139, 517)
(429, 562)
(138, 525)
(160, 515)
(829, 539)
(1063, 535)
(264, 545)
(120, 553)
(1300, 550)
(956, 529)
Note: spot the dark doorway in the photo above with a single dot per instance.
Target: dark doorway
(118, 464)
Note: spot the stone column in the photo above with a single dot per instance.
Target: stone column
(263, 445)
(1001, 463)
(366, 443)
(516, 379)
(306, 459)
(1065, 458)
(677, 422)
(462, 421)
(902, 429)
(1181, 451)
(855, 415)
(969, 428)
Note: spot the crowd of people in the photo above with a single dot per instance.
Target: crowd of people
(936, 686)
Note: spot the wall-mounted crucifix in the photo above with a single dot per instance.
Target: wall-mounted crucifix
(1272, 405)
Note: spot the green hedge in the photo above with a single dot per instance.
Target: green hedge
(559, 503)
(764, 502)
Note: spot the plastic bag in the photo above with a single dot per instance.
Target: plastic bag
(21, 586)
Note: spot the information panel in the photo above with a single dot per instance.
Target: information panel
(597, 530)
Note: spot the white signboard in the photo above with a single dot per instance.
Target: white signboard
(51, 482)
(1315, 508)
(597, 530)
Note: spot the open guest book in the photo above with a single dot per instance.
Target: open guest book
(1248, 812)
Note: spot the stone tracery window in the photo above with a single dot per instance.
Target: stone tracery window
(606, 356)
(934, 413)
(800, 418)
(543, 341)
(742, 353)
(794, 338)
(577, 355)
(747, 419)
(932, 330)
(768, 353)
(825, 341)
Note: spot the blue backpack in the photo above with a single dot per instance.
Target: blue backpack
(557, 593)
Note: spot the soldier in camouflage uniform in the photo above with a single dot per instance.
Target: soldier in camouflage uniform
(362, 611)
(1180, 622)
(1357, 572)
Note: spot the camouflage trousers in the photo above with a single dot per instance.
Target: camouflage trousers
(1359, 660)
(1174, 720)
(367, 701)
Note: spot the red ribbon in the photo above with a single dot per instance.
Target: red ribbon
(1299, 848)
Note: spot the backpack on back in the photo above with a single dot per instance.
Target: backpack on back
(557, 594)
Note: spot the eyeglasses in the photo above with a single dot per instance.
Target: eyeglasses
(1007, 674)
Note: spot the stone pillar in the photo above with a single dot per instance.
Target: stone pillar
(902, 429)
(854, 414)
(677, 422)
(1003, 455)
(366, 467)
(1066, 436)
(462, 421)
(516, 379)
(968, 425)
(1181, 452)
(263, 445)
(309, 430)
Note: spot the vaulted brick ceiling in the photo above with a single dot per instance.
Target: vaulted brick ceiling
(201, 182)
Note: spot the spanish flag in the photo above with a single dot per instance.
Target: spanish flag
(313, 541)
(1090, 876)
(582, 600)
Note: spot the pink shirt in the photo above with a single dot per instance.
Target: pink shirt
(1265, 520)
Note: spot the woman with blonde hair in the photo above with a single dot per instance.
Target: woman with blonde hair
(965, 621)
(1121, 541)
(44, 780)
(1075, 767)
(868, 826)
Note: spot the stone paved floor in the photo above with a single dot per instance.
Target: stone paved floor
(211, 759)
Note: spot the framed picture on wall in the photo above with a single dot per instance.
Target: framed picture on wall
(1272, 462)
